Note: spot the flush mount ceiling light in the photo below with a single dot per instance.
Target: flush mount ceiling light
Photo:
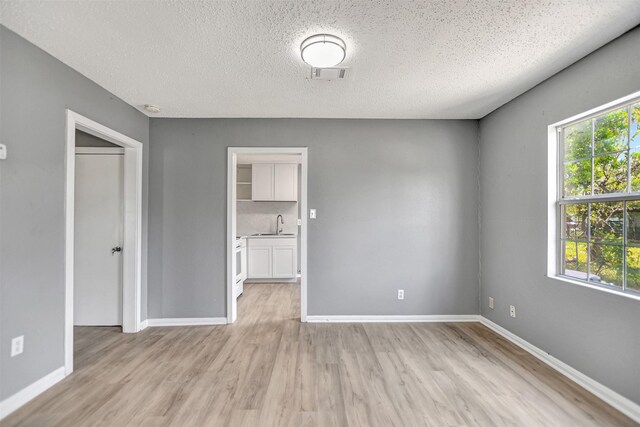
(152, 108)
(323, 50)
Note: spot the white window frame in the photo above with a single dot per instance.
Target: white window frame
(554, 191)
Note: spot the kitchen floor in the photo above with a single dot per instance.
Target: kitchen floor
(268, 302)
(268, 369)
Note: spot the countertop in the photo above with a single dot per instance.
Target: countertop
(271, 236)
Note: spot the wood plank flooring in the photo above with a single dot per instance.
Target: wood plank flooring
(268, 369)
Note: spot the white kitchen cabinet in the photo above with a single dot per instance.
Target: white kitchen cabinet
(262, 181)
(272, 258)
(259, 262)
(274, 182)
(286, 182)
(284, 261)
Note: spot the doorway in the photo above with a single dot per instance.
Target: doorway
(121, 161)
(284, 263)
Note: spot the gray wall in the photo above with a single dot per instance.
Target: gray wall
(595, 332)
(396, 201)
(35, 91)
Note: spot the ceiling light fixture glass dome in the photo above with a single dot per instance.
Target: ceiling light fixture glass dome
(323, 50)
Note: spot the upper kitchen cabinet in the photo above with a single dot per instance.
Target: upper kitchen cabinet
(286, 182)
(262, 181)
(274, 182)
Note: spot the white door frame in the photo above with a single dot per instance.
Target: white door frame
(132, 245)
(232, 162)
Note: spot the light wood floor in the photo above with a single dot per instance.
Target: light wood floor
(268, 369)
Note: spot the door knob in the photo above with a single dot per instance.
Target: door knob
(116, 249)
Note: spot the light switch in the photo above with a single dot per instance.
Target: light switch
(312, 213)
(17, 345)
(3, 152)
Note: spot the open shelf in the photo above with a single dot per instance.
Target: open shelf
(243, 183)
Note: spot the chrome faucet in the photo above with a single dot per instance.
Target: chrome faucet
(278, 229)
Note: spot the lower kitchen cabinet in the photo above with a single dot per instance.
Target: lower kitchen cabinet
(272, 258)
(284, 261)
(260, 260)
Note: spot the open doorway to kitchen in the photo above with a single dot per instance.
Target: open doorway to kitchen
(266, 232)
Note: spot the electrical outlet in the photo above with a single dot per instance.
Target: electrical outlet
(299, 222)
(512, 310)
(400, 293)
(491, 303)
(312, 213)
(17, 345)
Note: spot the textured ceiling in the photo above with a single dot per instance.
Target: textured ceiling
(235, 58)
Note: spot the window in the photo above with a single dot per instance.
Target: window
(597, 200)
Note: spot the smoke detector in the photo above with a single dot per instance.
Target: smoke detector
(152, 108)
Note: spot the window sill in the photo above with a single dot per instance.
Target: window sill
(596, 287)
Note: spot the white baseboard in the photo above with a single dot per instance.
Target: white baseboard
(144, 324)
(188, 321)
(14, 402)
(621, 403)
(394, 319)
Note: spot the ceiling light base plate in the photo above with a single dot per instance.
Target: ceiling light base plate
(330, 74)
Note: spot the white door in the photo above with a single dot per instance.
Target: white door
(286, 182)
(262, 181)
(98, 229)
